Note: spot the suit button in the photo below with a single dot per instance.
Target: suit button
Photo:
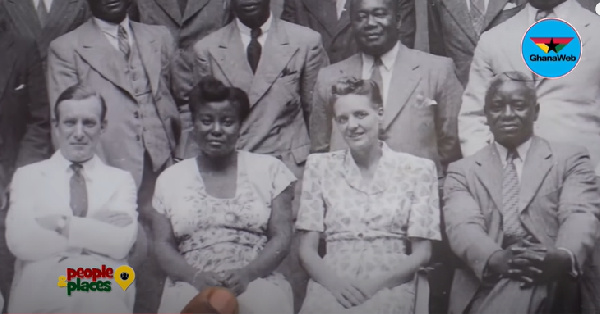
(136, 115)
(137, 138)
(360, 234)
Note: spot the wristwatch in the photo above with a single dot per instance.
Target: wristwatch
(61, 224)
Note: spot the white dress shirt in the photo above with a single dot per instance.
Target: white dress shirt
(388, 60)
(561, 11)
(245, 32)
(339, 7)
(111, 31)
(47, 2)
(485, 5)
(519, 162)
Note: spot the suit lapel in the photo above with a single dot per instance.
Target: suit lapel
(493, 9)
(490, 172)
(537, 165)
(193, 6)
(172, 9)
(23, 13)
(6, 63)
(102, 57)
(405, 75)
(150, 53)
(230, 56)
(276, 54)
(343, 22)
(459, 10)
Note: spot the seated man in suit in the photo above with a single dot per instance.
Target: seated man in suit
(71, 211)
(521, 214)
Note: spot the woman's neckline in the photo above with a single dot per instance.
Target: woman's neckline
(237, 179)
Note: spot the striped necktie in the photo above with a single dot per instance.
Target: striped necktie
(78, 191)
(511, 224)
(124, 42)
(477, 13)
(42, 12)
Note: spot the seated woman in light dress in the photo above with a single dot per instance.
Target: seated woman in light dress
(370, 203)
(224, 218)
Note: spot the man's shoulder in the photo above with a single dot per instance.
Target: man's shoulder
(336, 70)
(213, 38)
(298, 33)
(71, 38)
(562, 151)
(428, 60)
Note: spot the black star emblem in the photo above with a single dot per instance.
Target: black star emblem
(552, 45)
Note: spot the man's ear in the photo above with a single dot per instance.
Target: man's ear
(537, 112)
(103, 126)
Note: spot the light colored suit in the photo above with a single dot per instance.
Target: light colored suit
(569, 106)
(42, 189)
(413, 125)
(280, 91)
(559, 205)
(452, 33)
(86, 55)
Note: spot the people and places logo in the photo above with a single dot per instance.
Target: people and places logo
(551, 48)
(96, 279)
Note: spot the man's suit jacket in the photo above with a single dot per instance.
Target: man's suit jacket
(64, 16)
(569, 106)
(280, 91)
(85, 55)
(41, 189)
(559, 205)
(24, 109)
(589, 4)
(338, 37)
(452, 34)
(413, 123)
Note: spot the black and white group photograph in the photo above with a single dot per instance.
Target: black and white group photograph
(297, 157)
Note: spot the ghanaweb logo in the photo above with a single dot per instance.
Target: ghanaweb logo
(551, 48)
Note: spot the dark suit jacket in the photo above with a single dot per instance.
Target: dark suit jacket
(421, 113)
(64, 16)
(559, 206)
(451, 32)
(24, 110)
(338, 37)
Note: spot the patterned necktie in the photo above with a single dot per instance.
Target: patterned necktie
(78, 190)
(477, 14)
(182, 5)
(42, 12)
(254, 49)
(542, 14)
(376, 74)
(124, 42)
(510, 199)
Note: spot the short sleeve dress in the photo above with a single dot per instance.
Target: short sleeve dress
(367, 226)
(216, 235)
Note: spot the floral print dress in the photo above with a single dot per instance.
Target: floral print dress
(368, 226)
(215, 235)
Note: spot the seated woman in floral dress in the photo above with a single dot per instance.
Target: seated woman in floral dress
(224, 218)
(370, 203)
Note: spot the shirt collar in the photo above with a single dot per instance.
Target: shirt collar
(388, 59)
(561, 10)
(65, 164)
(112, 29)
(245, 30)
(521, 150)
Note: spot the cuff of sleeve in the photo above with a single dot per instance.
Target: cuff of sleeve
(574, 272)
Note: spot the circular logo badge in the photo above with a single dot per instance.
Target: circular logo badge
(551, 48)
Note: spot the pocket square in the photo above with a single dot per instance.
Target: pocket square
(423, 102)
(509, 5)
(20, 87)
(288, 72)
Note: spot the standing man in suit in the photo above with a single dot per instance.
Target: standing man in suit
(128, 64)
(71, 211)
(522, 214)
(570, 106)
(24, 123)
(276, 63)
(45, 20)
(421, 92)
(331, 19)
(456, 25)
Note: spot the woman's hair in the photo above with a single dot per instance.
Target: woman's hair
(210, 89)
(354, 86)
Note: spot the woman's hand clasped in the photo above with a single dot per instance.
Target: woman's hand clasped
(236, 280)
(350, 294)
(205, 280)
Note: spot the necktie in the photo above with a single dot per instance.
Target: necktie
(124, 42)
(182, 5)
(510, 199)
(477, 14)
(376, 74)
(42, 12)
(78, 190)
(254, 49)
(542, 14)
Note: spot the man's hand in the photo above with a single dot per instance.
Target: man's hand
(526, 264)
(116, 219)
(50, 222)
(499, 262)
(236, 280)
